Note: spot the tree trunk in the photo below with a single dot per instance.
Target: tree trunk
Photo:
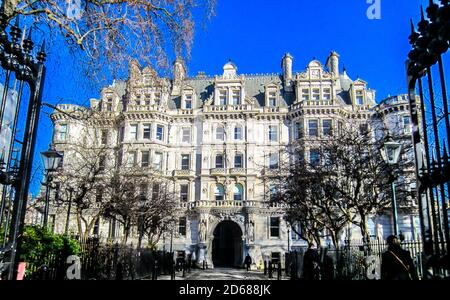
(80, 227)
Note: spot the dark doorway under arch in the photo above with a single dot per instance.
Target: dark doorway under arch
(227, 247)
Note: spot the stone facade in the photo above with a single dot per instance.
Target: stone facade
(221, 140)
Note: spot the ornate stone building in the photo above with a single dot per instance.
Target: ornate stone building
(221, 140)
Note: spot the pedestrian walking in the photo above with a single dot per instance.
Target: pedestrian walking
(248, 262)
(396, 263)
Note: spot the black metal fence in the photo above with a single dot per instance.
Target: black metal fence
(100, 261)
(361, 261)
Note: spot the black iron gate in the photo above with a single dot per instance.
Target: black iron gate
(23, 75)
(431, 136)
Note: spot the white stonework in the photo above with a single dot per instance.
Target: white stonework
(230, 125)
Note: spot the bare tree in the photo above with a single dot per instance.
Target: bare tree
(133, 204)
(114, 31)
(157, 213)
(82, 178)
(345, 180)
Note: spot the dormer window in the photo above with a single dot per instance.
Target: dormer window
(109, 104)
(316, 94)
(236, 97)
(327, 94)
(359, 98)
(305, 94)
(157, 99)
(272, 99)
(222, 98)
(188, 101)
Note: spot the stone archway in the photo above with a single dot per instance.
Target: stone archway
(227, 245)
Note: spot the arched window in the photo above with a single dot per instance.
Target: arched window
(238, 192)
(219, 161)
(219, 192)
(220, 133)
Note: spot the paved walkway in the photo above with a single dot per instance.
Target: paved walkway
(224, 274)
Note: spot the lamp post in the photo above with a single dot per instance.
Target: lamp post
(391, 154)
(51, 159)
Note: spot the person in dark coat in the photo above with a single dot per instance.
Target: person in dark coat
(311, 264)
(248, 262)
(396, 263)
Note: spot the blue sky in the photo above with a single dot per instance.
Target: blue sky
(256, 34)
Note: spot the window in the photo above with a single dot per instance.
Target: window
(184, 192)
(99, 195)
(272, 99)
(316, 94)
(272, 192)
(359, 98)
(186, 135)
(220, 133)
(62, 132)
(109, 104)
(313, 127)
(185, 162)
(131, 159)
(222, 98)
(104, 137)
(219, 161)
(96, 229)
(314, 157)
(295, 232)
(219, 193)
(236, 97)
(112, 232)
(61, 161)
(305, 94)
(273, 133)
(327, 94)
(182, 226)
(237, 192)
(157, 99)
(406, 124)
(299, 130)
(364, 129)
(160, 132)
(133, 131)
(238, 161)
(157, 161)
(155, 190)
(102, 163)
(238, 133)
(143, 190)
(138, 100)
(146, 132)
(148, 98)
(274, 227)
(327, 127)
(188, 101)
(273, 161)
(145, 160)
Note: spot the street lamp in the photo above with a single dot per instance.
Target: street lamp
(391, 154)
(51, 159)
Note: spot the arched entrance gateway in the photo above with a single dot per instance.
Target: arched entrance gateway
(227, 245)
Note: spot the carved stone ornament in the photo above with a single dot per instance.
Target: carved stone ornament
(209, 101)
